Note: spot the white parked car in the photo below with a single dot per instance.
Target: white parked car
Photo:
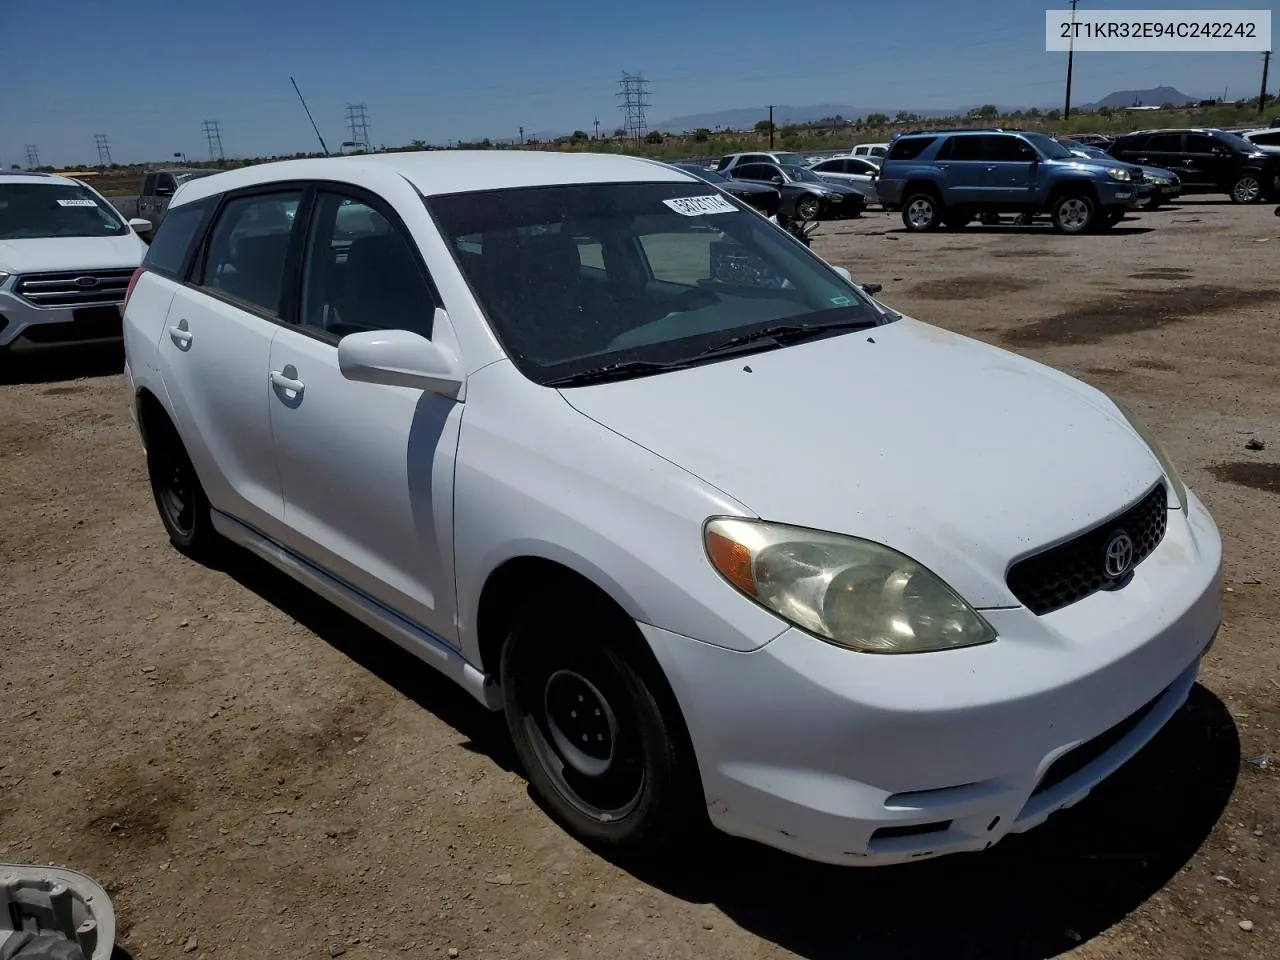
(66, 256)
(857, 172)
(870, 150)
(576, 430)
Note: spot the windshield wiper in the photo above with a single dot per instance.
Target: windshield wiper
(613, 371)
(786, 333)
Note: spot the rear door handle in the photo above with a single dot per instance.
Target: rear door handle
(181, 334)
(280, 379)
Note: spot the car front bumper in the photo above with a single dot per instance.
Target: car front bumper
(1119, 193)
(26, 328)
(866, 759)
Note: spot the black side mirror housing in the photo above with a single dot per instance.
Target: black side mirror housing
(871, 289)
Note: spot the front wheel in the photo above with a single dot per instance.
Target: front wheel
(922, 212)
(1246, 189)
(1073, 213)
(808, 208)
(583, 707)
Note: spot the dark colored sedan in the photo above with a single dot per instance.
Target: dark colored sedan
(805, 195)
(759, 196)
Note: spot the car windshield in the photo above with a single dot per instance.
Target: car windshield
(710, 176)
(803, 174)
(32, 210)
(1087, 150)
(790, 159)
(578, 278)
(1049, 148)
(1236, 142)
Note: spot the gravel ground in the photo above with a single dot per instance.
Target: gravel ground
(252, 774)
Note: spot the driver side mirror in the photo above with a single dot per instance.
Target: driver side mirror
(399, 358)
(776, 180)
(140, 225)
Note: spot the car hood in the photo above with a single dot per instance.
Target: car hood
(960, 455)
(58, 254)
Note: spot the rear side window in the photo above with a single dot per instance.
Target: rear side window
(1165, 143)
(908, 148)
(1268, 139)
(248, 247)
(178, 233)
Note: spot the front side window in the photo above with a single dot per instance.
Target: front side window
(248, 247)
(576, 278)
(1049, 148)
(1199, 143)
(30, 211)
(361, 273)
(1165, 143)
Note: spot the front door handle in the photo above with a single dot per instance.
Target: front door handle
(181, 334)
(283, 380)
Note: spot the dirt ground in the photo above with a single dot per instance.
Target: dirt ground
(253, 775)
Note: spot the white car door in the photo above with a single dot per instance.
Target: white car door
(367, 469)
(215, 348)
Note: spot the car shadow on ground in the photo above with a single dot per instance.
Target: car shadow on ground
(1031, 896)
(1034, 895)
(73, 363)
(428, 688)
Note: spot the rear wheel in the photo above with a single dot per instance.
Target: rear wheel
(921, 212)
(1073, 212)
(583, 704)
(1246, 189)
(180, 499)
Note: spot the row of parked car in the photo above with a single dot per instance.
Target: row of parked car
(949, 178)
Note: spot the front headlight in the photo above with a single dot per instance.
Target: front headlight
(3, 277)
(850, 592)
(1149, 438)
(1117, 173)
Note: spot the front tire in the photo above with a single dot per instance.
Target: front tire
(1246, 189)
(583, 705)
(922, 212)
(179, 497)
(1073, 213)
(808, 208)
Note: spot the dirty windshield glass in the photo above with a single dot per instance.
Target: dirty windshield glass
(31, 210)
(576, 277)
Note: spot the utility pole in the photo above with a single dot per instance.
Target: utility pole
(104, 149)
(522, 136)
(33, 156)
(213, 136)
(1262, 95)
(1071, 53)
(771, 126)
(358, 124)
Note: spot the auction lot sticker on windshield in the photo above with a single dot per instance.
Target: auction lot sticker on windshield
(700, 206)
(77, 202)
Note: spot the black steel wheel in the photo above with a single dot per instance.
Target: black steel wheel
(586, 715)
(180, 499)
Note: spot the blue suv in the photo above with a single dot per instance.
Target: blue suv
(950, 177)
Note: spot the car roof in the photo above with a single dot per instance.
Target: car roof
(1134, 133)
(35, 176)
(437, 172)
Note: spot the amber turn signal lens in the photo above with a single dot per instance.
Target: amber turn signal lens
(733, 560)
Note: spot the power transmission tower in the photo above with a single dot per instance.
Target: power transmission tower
(358, 125)
(596, 124)
(1071, 53)
(213, 136)
(104, 149)
(33, 156)
(1262, 95)
(634, 100)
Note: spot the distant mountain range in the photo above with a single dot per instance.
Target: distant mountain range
(744, 118)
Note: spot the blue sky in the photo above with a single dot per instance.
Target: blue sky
(148, 72)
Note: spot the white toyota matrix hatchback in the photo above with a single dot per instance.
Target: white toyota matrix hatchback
(718, 531)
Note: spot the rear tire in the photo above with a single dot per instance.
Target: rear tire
(1073, 212)
(921, 212)
(584, 708)
(180, 499)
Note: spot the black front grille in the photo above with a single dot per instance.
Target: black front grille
(75, 288)
(1076, 569)
(1075, 760)
(88, 323)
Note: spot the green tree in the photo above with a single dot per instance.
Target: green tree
(619, 132)
(417, 144)
(1034, 113)
(653, 137)
(988, 111)
(1105, 111)
(763, 126)
(701, 135)
(877, 119)
(1053, 115)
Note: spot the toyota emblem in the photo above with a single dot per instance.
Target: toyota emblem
(86, 281)
(1117, 559)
